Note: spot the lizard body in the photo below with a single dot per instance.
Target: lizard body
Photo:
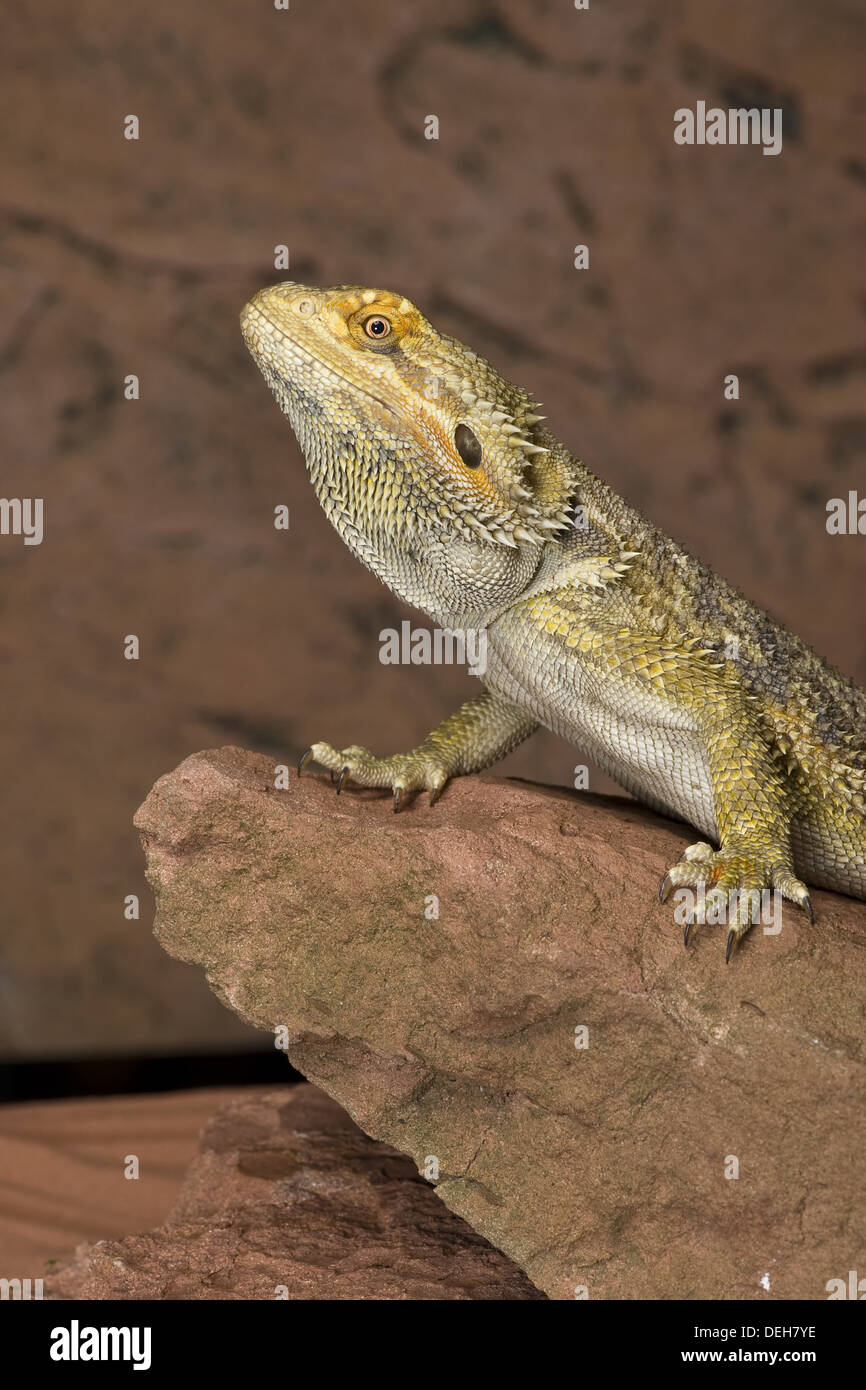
(442, 478)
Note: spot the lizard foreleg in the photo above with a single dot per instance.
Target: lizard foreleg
(479, 733)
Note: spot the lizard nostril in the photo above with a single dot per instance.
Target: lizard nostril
(468, 446)
(305, 307)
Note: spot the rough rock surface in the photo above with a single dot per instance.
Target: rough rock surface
(289, 1198)
(609, 1167)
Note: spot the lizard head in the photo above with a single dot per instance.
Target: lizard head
(433, 468)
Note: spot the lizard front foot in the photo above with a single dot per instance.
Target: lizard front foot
(738, 875)
(402, 772)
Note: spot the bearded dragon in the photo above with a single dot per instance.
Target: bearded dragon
(443, 479)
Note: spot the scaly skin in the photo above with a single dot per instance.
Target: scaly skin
(440, 476)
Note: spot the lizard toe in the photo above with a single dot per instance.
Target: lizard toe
(731, 885)
(401, 774)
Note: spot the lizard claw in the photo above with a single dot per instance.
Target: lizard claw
(303, 760)
(343, 775)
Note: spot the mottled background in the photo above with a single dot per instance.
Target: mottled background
(305, 127)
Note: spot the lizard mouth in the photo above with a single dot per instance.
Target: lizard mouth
(259, 330)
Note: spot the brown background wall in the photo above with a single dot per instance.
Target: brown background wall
(260, 127)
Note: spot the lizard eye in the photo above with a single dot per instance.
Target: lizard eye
(468, 446)
(377, 327)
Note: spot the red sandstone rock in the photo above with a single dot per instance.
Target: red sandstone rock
(453, 1035)
(289, 1199)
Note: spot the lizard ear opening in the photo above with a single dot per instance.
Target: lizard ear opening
(468, 446)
